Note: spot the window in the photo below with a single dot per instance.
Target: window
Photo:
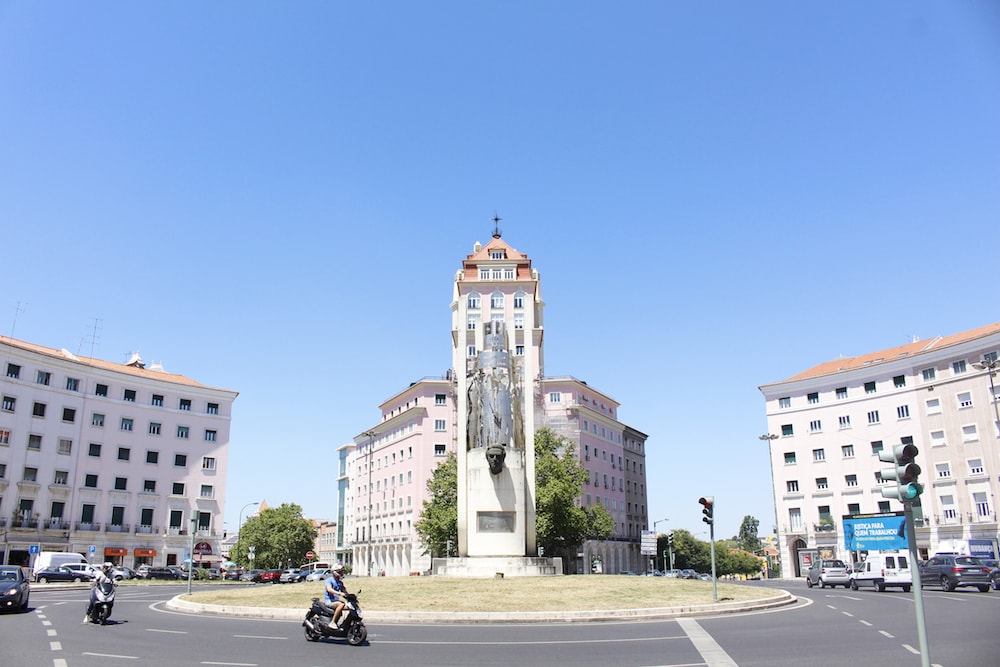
(824, 513)
(851, 480)
(72, 384)
(903, 412)
(937, 439)
(813, 397)
(212, 409)
(470, 351)
(555, 397)
(121, 483)
(471, 322)
(965, 400)
(176, 517)
(90, 481)
(792, 486)
(152, 456)
(787, 430)
(819, 455)
(982, 506)
(519, 320)
(473, 301)
(970, 433)
(975, 466)
(43, 377)
(184, 404)
(841, 392)
(795, 519)
(128, 395)
(822, 484)
(13, 371)
(87, 514)
(207, 491)
(182, 432)
(146, 517)
(869, 387)
(126, 424)
(933, 406)
(69, 415)
(34, 442)
(30, 474)
(4, 437)
(484, 274)
(156, 401)
(943, 470)
(101, 390)
(853, 508)
(958, 367)
(95, 449)
(8, 403)
(439, 425)
(883, 506)
(65, 446)
(927, 374)
(785, 402)
(519, 350)
(180, 460)
(519, 300)
(149, 486)
(844, 421)
(847, 451)
(789, 458)
(210, 435)
(815, 426)
(38, 410)
(439, 450)
(177, 489)
(496, 301)
(97, 420)
(899, 381)
(124, 453)
(873, 417)
(208, 463)
(440, 399)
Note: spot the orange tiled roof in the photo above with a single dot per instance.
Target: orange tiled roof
(894, 353)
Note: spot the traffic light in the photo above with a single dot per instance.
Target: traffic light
(904, 472)
(708, 503)
(670, 540)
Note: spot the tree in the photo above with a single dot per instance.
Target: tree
(438, 523)
(561, 525)
(279, 536)
(747, 539)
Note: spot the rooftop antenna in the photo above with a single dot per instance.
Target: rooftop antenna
(93, 337)
(18, 309)
(496, 224)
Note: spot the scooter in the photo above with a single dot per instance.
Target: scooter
(104, 600)
(319, 621)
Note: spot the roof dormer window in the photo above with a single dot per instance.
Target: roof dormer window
(496, 254)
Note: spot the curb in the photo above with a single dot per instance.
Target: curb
(582, 616)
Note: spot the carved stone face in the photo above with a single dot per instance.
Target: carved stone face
(495, 456)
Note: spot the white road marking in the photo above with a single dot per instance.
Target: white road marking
(883, 632)
(865, 623)
(251, 637)
(911, 649)
(232, 664)
(51, 633)
(55, 646)
(172, 632)
(707, 647)
(112, 655)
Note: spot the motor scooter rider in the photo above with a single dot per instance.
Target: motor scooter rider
(103, 575)
(335, 589)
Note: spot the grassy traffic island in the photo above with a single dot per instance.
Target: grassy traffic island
(460, 594)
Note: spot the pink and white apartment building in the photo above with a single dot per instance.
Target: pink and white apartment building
(112, 461)
(384, 471)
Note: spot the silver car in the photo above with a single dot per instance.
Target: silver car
(828, 572)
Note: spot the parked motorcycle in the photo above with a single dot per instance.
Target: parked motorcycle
(104, 600)
(319, 621)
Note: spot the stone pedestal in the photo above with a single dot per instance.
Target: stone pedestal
(491, 566)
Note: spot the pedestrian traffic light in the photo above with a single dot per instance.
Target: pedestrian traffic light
(904, 472)
(708, 503)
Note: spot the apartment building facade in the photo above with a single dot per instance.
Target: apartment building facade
(384, 471)
(113, 461)
(832, 420)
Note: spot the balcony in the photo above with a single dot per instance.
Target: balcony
(88, 527)
(147, 530)
(56, 523)
(117, 528)
(23, 523)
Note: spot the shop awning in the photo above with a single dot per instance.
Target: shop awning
(145, 553)
(115, 551)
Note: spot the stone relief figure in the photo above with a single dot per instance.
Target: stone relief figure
(491, 399)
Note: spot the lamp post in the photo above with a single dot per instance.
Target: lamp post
(655, 523)
(239, 529)
(768, 438)
(991, 365)
(369, 458)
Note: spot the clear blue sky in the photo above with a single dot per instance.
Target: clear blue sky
(274, 198)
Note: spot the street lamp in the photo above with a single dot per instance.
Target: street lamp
(369, 458)
(239, 528)
(768, 438)
(991, 365)
(655, 523)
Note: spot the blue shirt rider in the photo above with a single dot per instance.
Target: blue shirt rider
(335, 589)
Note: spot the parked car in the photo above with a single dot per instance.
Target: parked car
(827, 572)
(269, 577)
(163, 573)
(994, 566)
(62, 573)
(318, 575)
(123, 572)
(83, 567)
(142, 572)
(233, 574)
(251, 575)
(688, 573)
(14, 588)
(881, 571)
(291, 576)
(181, 574)
(950, 571)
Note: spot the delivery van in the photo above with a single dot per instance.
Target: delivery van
(884, 570)
(51, 559)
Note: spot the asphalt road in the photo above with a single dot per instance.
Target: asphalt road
(828, 627)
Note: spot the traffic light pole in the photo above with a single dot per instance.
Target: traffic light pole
(711, 541)
(918, 595)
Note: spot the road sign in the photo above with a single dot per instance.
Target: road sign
(34, 549)
(309, 555)
(648, 544)
(92, 549)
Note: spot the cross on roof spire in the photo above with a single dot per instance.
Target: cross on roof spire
(496, 225)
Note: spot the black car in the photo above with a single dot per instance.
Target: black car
(994, 566)
(951, 571)
(14, 588)
(163, 573)
(62, 573)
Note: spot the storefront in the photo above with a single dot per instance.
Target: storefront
(115, 555)
(144, 556)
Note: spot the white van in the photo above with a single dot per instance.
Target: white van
(882, 570)
(51, 559)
